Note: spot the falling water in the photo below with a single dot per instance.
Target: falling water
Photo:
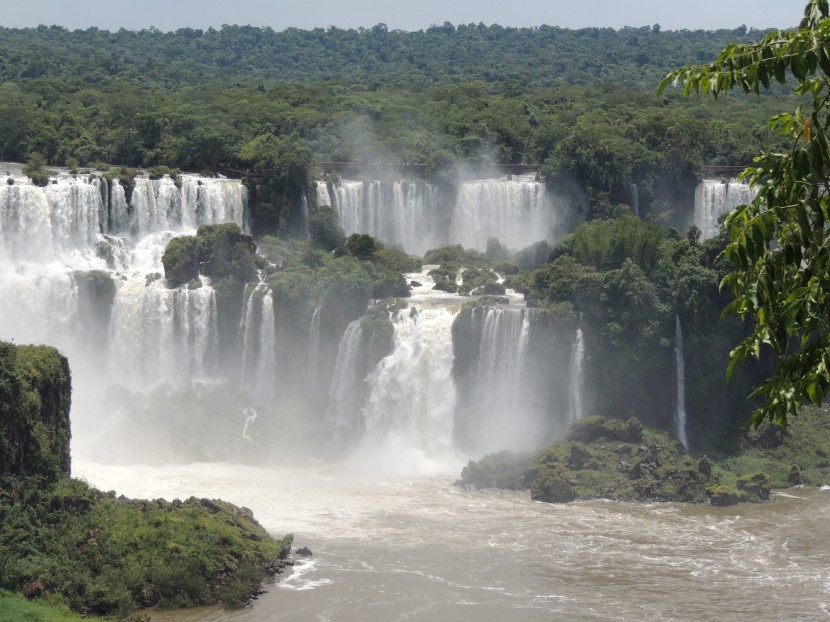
(148, 333)
(518, 211)
(412, 394)
(313, 348)
(259, 358)
(499, 409)
(714, 198)
(159, 334)
(250, 416)
(577, 375)
(345, 392)
(680, 385)
(403, 211)
(635, 200)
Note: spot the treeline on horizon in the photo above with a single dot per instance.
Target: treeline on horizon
(541, 56)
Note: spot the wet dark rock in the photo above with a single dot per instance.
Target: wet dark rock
(415, 284)
(304, 551)
(794, 476)
(704, 467)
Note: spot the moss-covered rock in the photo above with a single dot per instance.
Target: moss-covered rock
(597, 460)
(754, 487)
(216, 251)
(724, 496)
(593, 429)
(551, 488)
(35, 396)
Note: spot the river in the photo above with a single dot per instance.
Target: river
(397, 547)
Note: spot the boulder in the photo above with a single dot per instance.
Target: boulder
(724, 496)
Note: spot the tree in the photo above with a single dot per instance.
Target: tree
(779, 244)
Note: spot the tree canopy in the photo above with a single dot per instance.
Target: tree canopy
(779, 245)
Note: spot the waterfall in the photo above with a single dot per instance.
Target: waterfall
(60, 222)
(259, 358)
(160, 334)
(635, 200)
(50, 237)
(345, 395)
(680, 385)
(499, 408)
(411, 392)
(313, 349)
(402, 211)
(518, 211)
(250, 416)
(577, 375)
(714, 198)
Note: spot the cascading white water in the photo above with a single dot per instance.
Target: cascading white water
(402, 211)
(259, 343)
(344, 406)
(517, 211)
(60, 222)
(412, 395)
(635, 200)
(714, 198)
(159, 334)
(313, 349)
(577, 375)
(680, 385)
(80, 223)
(503, 411)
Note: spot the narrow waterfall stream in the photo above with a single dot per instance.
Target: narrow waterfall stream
(680, 385)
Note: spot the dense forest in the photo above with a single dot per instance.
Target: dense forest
(543, 56)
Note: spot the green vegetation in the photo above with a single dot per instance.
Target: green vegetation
(90, 551)
(34, 411)
(216, 251)
(615, 459)
(16, 608)
(547, 55)
(778, 243)
(106, 555)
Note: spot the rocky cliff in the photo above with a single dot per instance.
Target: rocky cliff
(35, 396)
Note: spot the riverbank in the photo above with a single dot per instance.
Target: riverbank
(410, 545)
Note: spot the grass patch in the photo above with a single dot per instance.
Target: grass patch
(16, 608)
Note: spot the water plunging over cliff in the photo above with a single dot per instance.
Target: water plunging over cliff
(412, 394)
(714, 198)
(518, 211)
(259, 355)
(80, 270)
(577, 375)
(680, 385)
(404, 211)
